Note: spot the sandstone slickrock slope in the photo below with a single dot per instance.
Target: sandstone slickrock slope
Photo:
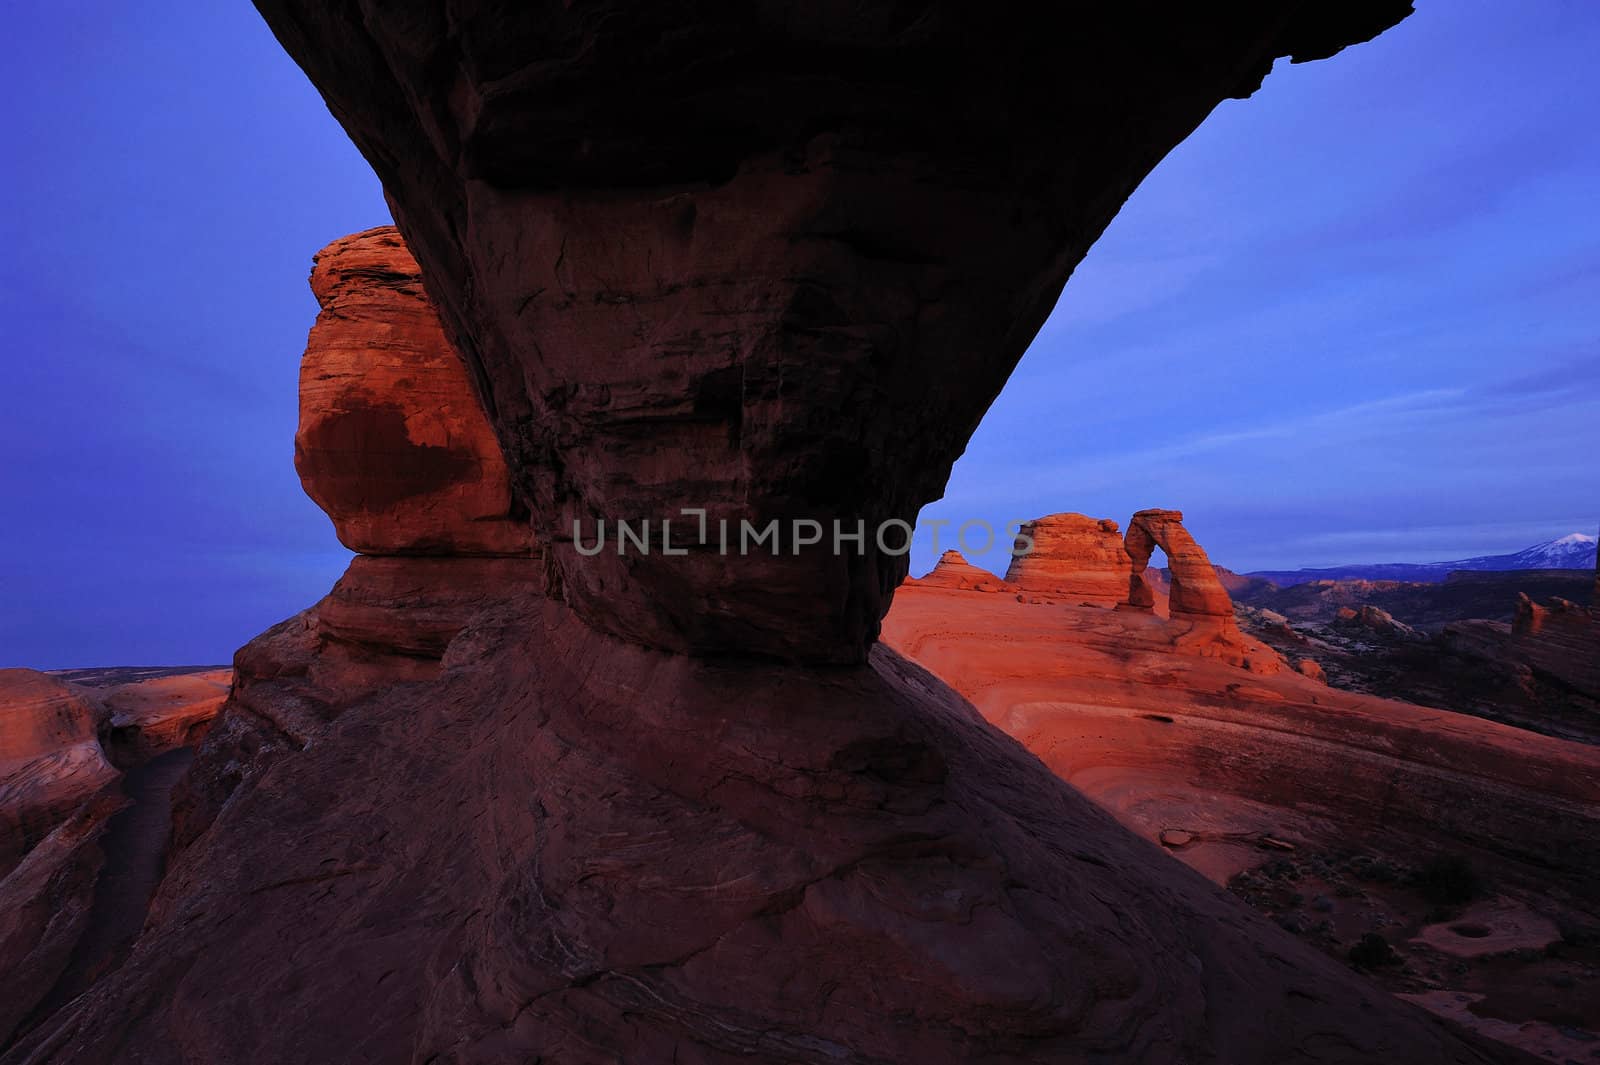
(775, 261)
(74, 756)
(1236, 770)
(1169, 737)
(1074, 558)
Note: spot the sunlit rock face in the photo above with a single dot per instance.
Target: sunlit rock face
(50, 758)
(1072, 557)
(1196, 590)
(392, 443)
(773, 260)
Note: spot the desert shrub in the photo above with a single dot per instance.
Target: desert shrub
(1448, 880)
(1372, 951)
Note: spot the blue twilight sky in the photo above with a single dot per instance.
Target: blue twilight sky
(1352, 319)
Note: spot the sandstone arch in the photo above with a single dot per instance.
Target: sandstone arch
(1196, 591)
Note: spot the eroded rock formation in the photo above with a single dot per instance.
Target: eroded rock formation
(394, 446)
(147, 718)
(1073, 558)
(50, 758)
(1235, 769)
(392, 442)
(1195, 590)
(954, 571)
(773, 262)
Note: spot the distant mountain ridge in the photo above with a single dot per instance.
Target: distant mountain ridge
(1573, 551)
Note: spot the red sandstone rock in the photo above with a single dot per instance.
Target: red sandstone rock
(393, 443)
(686, 252)
(387, 621)
(150, 717)
(770, 260)
(1074, 558)
(50, 758)
(1195, 588)
(727, 861)
(954, 571)
(45, 905)
(1171, 740)
(1309, 667)
(1560, 640)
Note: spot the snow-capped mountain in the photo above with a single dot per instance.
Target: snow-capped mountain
(1573, 551)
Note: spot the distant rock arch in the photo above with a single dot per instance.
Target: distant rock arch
(1196, 589)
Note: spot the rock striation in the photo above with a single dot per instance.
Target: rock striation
(1195, 590)
(954, 571)
(51, 761)
(147, 718)
(393, 443)
(734, 860)
(1073, 558)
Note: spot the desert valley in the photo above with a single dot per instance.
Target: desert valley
(499, 798)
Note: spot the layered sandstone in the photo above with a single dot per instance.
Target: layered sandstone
(1233, 771)
(1072, 557)
(50, 757)
(393, 443)
(1168, 737)
(46, 904)
(147, 718)
(720, 861)
(954, 571)
(771, 261)
(1194, 589)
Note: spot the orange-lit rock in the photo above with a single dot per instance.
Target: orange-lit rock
(393, 443)
(1073, 558)
(150, 717)
(1170, 738)
(50, 757)
(954, 571)
(1195, 588)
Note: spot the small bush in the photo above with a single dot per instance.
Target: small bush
(1448, 880)
(1372, 952)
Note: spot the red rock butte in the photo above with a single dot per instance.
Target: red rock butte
(774, 261)
(1072, 557)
